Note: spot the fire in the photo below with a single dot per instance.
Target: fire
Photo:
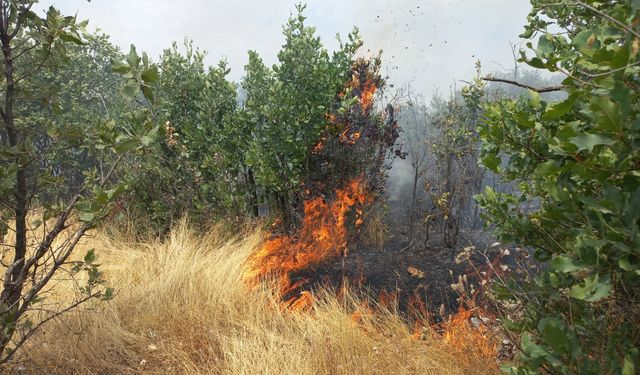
(323, 236)
(363, 83)
(368, 91)
(462, 336)
(349, 137)
(318, 147)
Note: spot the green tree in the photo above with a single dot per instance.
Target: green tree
(578, 159)
(75, 99)
(37, 227)
(288, 107)
(194, 168)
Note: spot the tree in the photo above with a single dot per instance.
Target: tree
(43, 233)
(288, 107)
(195, 167)
(579, 158)
(415, 137)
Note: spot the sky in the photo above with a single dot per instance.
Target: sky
(431, 44)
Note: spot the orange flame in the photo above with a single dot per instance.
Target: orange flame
(368, 91)
(347, 138)
(362, 312)
(462, 336)
(323, 236)
(365, 87)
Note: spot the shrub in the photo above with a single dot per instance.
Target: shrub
(579, 159)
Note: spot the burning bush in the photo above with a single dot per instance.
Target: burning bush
(347, 173)
(322, 236)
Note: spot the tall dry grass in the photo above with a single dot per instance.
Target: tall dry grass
(182, 307)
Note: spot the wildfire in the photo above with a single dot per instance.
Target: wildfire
(368, 91)
(462, 336)
(323, 236)
(366, 88)
(364, 84)
(349, 137)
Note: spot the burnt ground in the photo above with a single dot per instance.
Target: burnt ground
(407, 268)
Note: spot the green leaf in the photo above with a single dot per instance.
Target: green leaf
(546, 168)
(132, 57)
(126, 145)
(90, 257)
(492, 162)
(146, 141)
(119, 66)
(592, 290)
(626, 265)
(532, 349)
(560, 109)
(68, 37)
(607, 114)
(130, 89)
(588, 141)
(628, 368)
(147, 92)
(150, 75)
(534, 99)
(87, 217)
(586, 42)
(553, 334)
(545, 46)
(564, 264)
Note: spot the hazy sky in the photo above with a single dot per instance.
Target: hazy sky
(431, 43)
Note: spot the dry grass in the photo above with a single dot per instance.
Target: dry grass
(182, 307)
(375, 232)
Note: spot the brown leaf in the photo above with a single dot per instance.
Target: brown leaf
(418, 274)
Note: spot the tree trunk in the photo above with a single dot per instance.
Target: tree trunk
(253, 192)
(412, 211)
(12, 290)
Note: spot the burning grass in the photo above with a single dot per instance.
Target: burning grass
(323, 236)
(183, 306)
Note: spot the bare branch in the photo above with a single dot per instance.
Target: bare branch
(24, 338)
(523, 85)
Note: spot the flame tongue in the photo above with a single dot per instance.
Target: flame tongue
(368, 91)
(323, 236)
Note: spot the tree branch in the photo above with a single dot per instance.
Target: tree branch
(7, 357)
(608, 17)
(523, 85)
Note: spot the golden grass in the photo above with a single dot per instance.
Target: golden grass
(182, 307)
(375, 232)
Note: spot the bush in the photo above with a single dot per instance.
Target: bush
(579, 159)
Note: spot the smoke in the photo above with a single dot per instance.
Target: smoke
(400, 180)
(431, 43)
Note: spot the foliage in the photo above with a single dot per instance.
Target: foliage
(221, 156)
(47, 100)
(442, 149)
(456, 175)
(312, 120)
(579, 159)
(188, 169)
(287, 108)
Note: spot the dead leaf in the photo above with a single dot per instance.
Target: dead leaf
(418, 274)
